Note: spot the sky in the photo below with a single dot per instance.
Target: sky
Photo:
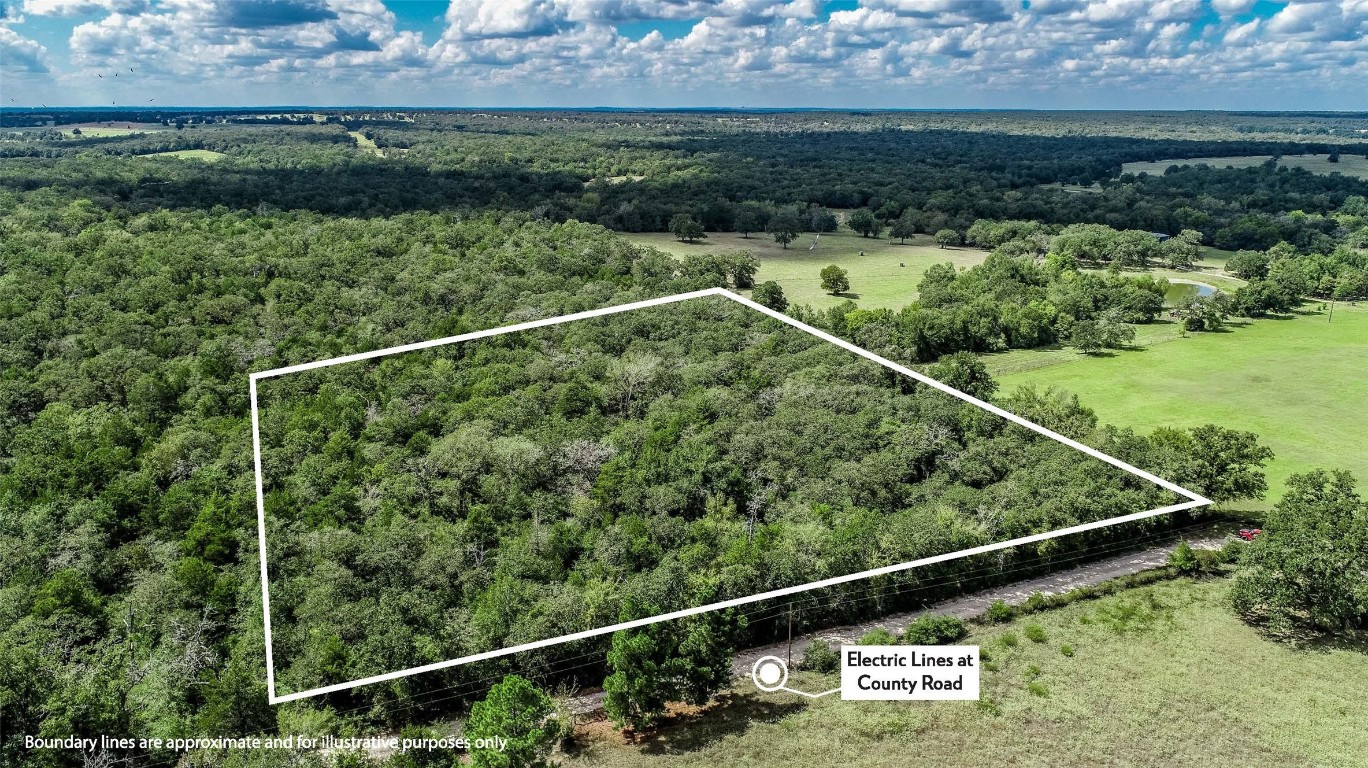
(909, 54)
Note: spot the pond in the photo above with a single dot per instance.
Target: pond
(1178, 293)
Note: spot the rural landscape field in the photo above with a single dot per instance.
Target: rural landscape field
(429, 384)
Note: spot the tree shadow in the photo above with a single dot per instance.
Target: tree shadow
(1354, 642)
(847, 295)
(732, 715)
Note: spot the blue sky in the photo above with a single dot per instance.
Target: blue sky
(1070, 54)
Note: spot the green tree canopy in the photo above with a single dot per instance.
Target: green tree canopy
(784, 227)
(771, 295)
(947, 237)
(834, 279)
(518, 711)
(905, 226)
(683, 227)
(864, 221)
(1308, 569)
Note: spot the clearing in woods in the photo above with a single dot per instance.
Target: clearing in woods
(207, 155)
(1349, 165)
(876, 279)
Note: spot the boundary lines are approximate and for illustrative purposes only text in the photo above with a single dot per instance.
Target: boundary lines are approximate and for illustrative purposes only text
(1194, 500)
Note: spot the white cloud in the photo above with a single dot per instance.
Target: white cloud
(82, 7)
(19, 55)
(882, 47)
(283, 39)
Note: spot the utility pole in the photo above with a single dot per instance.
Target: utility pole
(1331, 319)
(788, 655)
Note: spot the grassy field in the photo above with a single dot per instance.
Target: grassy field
(207, 155)
(1349, 165)
(363, 143)
(1298, 383)
(1163, 675)
(876, 279)
(103, 131)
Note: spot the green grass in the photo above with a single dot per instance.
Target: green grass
(1298, 383)
(1210, 269)
(101, 131)
(1163, 675)
(207, 155)
(876, 280)
(363, 143)
(1349, 165)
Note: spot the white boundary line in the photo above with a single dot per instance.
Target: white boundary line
(1194, 499)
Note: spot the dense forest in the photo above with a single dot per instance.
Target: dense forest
(442, 503)
(132, 600)
(499, 492)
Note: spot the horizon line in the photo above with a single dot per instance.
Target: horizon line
(605, 108)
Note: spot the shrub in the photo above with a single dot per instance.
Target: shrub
(1035, 633)
(1038, 688)
(934, 630)
(999, 612)
(1184, 559)
(1067, 650)
(1009, 639)
(1211, 560)
(879, 636)
(818, 657)
(1035, 603)
(989, 705)
(1032, 672)
(1135, 613)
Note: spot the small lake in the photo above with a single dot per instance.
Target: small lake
(1178, 293)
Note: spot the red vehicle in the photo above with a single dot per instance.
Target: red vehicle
(1248, 534)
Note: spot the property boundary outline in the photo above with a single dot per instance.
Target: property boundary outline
(1194, 500)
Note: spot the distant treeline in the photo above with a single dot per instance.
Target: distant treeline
(636, 177)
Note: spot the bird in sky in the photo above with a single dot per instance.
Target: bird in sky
(99, 75)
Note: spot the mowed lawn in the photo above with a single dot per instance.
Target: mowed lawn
(876, 278)
(1299, 383)
(1162, 676)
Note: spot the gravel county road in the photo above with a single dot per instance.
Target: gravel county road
(965, 606)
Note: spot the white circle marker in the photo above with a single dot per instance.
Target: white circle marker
(769, 673)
